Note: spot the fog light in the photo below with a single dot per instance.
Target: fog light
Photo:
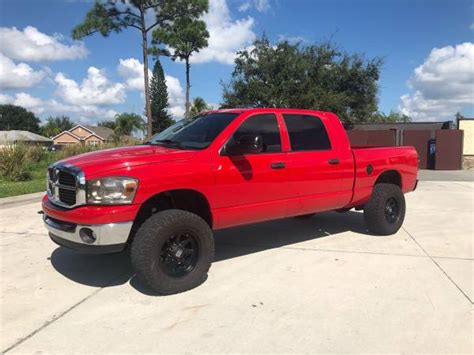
(87, 235)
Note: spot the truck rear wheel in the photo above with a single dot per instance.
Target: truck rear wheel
(172, 251)
(385, 211)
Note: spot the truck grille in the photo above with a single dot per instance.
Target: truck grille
(67, 196)
(63, 186)
(67, 179)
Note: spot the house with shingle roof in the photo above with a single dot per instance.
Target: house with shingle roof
(24, 137)
(92, 135)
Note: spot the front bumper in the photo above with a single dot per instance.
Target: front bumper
(109, 238)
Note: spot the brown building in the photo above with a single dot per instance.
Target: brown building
(93, 135)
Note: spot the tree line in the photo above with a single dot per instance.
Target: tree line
(18, 118)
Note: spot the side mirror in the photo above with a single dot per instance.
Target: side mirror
(247, 144)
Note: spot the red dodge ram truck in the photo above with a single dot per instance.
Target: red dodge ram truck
(221, 169)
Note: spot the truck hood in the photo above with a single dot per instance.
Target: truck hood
(125, 157)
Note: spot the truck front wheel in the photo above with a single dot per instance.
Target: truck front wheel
(172, 251)
(385, 211)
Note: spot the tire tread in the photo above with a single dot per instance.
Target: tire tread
(374, 209)
(144, 244)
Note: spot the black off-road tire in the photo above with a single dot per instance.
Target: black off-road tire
(152, 236)
(376, 215)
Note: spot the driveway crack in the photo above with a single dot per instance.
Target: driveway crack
(59, 316)
(439, 266)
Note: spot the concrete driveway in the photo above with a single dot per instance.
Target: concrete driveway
(317, 285)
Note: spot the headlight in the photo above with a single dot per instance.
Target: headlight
(111, 190)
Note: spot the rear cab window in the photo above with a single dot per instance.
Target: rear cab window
(306, 132)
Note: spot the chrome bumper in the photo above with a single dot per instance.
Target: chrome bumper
(109, 238)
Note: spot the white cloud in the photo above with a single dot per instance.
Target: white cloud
(29, 102)
(226, 36)
(131, 70)
(245, 6)
(95, 89)
(86, 102)
(18, 76)
(176, 96)
(33, 45)
(442, 85)
(260, 5)
(292, 39)
(84, 113)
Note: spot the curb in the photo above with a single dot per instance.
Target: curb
(21, 199)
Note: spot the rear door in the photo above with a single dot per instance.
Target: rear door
(315, 165)
(253, 187)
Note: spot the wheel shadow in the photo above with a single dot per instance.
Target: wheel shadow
(92, 269)
(115, 269)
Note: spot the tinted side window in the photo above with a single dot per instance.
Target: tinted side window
(267, 127)
(306, 133)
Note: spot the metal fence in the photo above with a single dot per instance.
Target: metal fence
(439, 149)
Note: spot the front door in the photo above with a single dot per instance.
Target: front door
(252, 187)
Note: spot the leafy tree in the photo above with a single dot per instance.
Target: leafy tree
(392, 117)
(108, 124)
(159, 100)
(17, 118)
(56, 125)
(107, 16)
(126, 123)
(319, 77)
(199, 105)
(185, 36)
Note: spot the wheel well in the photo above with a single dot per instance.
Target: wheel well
(390, 177)
(185, 199)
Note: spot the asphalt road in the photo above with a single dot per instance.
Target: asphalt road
(317, 285)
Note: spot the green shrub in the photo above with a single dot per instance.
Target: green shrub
(74, 149)
(35, 154)
(14, 162)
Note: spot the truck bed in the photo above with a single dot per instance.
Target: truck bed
(370, 162)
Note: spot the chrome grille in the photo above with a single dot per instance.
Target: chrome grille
(67, 179)
(67, 196)
(66, 185)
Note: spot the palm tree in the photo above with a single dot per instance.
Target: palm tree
(126, 123)
(199, 105)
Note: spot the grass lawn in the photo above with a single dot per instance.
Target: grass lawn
(36, 184)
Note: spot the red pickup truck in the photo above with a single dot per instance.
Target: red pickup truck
(221, 169)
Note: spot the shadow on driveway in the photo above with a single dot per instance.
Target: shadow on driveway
(115, 269)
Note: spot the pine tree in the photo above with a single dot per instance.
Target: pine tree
(159, 100)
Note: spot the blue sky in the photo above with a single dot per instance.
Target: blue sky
(427, 45)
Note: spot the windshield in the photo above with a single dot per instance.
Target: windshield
(195, 133)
